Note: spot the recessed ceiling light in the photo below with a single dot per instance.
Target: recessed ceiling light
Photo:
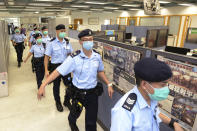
(94, 2)
(80, 6)
(186, 4)
(36, 12)
(113, 8)
(134, 5)
(164, 2)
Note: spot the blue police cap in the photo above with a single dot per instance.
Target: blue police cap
(152, 70)
(60, 26)
(37, 35)
(86, 32)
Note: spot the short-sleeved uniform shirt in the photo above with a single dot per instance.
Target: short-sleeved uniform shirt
(38, 50)
(84, 69)
(142, 117)
(18, 38)
(58, 51)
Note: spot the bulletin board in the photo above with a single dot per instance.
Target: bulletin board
(174, 24)
(148, 21)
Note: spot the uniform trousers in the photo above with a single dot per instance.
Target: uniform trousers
(19, 47)
(39, 68)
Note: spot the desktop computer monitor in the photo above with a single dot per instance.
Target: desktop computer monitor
(178, 50)
(128, 36)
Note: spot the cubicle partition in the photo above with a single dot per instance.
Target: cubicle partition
(119, 60)
(4, 58)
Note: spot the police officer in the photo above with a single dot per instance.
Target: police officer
(32, 40)
(86, 65)
(18, 43)
(58, 49)
(38, 51)
(137, 110)
(45, 38)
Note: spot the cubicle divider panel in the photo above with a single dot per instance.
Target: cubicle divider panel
(182, 100)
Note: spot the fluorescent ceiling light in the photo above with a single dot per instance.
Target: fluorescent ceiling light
(97, 9)
(186, 4)
(50, 0)
(94, 2)
(134, 9)
(164, 2)
(1, 3)
(69, 8)
(80, 6)
(36, 12)
(107, 12)
(119, 10)
(134, 5)
(40, 4)
(3, 9)
(113, 8)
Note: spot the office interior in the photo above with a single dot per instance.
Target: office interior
(129, 29)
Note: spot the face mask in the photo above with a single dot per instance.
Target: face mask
(88, 45)
(17, 31)
(62, 34)
(39, 40)
(159, 93)
(36, 32)
(45, 32)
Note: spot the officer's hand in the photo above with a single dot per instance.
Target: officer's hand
(177, 127)
(41, 92)
(25, 61)
(110, 91)
(46, 74)
(25, 44)
(14, 44)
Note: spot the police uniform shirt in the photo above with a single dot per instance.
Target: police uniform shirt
(141, 117)
(58, 51)
(84, 69)
(18, 38)
(46, 39)
(37, 50)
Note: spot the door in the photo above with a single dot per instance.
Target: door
(77, 22)
(132, 21)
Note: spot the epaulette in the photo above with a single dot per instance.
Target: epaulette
(75, 53)
(67, 40)
(52, 39)
(96, 51)
(130, 102)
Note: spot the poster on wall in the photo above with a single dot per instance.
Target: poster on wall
(119, 64)
(182, 100)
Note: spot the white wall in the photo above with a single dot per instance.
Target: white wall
(194, 21)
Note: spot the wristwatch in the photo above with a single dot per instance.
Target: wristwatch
(171, 124)
(110, 84)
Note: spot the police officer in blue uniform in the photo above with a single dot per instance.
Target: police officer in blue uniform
(45, 37)
(137, 110)
(86, 65)
(18, 41)
(58, 49)
(32, 40)
(38, 51)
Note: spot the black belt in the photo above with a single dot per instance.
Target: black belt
(39, 58)
(20, 43)
(85, 91)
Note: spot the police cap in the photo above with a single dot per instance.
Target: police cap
(60, 26)
(86, 32)
(44, 27)
(152, 70)
(37, 35)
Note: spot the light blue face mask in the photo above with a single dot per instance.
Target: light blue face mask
(159, 93)
(88, 45)
(62, 34)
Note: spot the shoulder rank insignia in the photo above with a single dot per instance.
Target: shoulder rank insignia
(75, 53)
(130, 102)
(96, 51)
(52, 39)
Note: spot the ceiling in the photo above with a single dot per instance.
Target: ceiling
(62, 6)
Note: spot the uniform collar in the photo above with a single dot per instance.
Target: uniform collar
(59, 41)
(82, 54)
(46, 36)
(141, 101)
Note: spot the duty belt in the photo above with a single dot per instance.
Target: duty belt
(84, 91)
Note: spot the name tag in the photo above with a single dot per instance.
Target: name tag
(67, 47)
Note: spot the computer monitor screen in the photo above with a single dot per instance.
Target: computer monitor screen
(128, 35)
(177, 50)
(109, 32)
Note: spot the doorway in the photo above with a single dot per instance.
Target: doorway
(77, 22)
